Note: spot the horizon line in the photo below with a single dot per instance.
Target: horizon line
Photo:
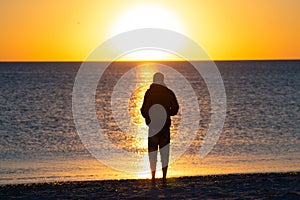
(78, 61)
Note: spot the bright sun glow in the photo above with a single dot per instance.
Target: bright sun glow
(149, 55)
(147, 16)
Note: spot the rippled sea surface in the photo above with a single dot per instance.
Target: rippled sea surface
(39, 141)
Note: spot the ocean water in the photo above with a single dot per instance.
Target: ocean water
(39, 141)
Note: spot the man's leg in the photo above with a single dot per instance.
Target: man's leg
(164, 149)
(152, 152)
(164, 154)
(153, 160)
(164, 179)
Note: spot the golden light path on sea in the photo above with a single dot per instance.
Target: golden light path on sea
(135, 104)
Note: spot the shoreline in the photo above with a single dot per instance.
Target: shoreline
(148, 179)
(284, 185)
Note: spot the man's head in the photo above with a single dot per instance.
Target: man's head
(158, 78)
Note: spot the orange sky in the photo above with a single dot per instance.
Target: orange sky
(55, 30)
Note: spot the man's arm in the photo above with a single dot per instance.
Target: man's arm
(174, 105)
(145, 108)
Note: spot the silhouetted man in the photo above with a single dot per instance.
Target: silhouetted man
(159, 104)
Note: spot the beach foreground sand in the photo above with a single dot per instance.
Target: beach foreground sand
(234, 186)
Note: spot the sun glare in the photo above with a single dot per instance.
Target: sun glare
(147, 16)
(149, 55)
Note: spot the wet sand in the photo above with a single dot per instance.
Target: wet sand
(233, 186)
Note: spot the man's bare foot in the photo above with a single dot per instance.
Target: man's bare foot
(164, 182)
(153, 182)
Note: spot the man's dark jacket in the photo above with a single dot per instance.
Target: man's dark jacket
(159, 94)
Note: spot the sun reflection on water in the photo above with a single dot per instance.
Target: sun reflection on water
(144, 77)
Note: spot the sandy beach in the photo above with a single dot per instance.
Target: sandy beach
(233, 186)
